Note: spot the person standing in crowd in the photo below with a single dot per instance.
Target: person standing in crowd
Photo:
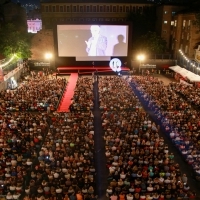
(79, 196)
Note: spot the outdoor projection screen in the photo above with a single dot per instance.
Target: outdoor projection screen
(92, 42)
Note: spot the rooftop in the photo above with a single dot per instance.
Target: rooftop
(96, 1)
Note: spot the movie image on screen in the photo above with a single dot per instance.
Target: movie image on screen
(92, 40)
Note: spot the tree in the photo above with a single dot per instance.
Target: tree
(151, 43)
(142, 22)
(196, 22)
(13, 42)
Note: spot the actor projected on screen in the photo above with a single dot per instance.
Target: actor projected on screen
(97, 44)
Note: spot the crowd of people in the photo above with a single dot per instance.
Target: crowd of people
(139, 162)
(65, 168)
(48, 155)
(22, 132)
(174, 107)
(65, 165)
(37, 93)
(21, 135)
(83, 99)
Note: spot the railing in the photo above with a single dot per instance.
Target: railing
(10, 65)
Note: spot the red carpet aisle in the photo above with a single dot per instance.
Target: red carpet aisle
(68, 94)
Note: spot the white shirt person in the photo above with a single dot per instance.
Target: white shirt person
(97, 44)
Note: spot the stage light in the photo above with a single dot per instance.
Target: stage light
(140, 57)
(48, 55)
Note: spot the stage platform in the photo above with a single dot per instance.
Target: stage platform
(87, 69)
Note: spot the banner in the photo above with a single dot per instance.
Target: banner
(149, 66)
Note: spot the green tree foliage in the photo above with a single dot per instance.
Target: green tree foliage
(196, 22)
(13, 42)
(151, 43)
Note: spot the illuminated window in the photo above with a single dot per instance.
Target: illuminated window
(184, 22)
(165, 12)
(175, 22)
(186, 49)
(165, 22)
(189, 22)
(172, 23)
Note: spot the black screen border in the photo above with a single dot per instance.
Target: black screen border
(71, 61)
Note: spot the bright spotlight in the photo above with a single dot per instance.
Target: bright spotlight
(141, 57)
(48, 55)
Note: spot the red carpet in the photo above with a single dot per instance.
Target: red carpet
(68, 94)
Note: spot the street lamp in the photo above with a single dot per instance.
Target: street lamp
(48, 56)
(140, 57)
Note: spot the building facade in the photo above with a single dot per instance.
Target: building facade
(82, 11)
(79, 11)
(34, 25)
(175, 27)
(185, 35)
(165, 22)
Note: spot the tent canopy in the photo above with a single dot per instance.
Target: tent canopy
(186, 73)
(175, 68)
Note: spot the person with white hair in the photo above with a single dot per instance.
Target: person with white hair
(97, 44)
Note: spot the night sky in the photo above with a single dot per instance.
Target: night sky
(37, 2)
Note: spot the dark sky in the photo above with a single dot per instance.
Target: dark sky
(27, 1)
(37, 2)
